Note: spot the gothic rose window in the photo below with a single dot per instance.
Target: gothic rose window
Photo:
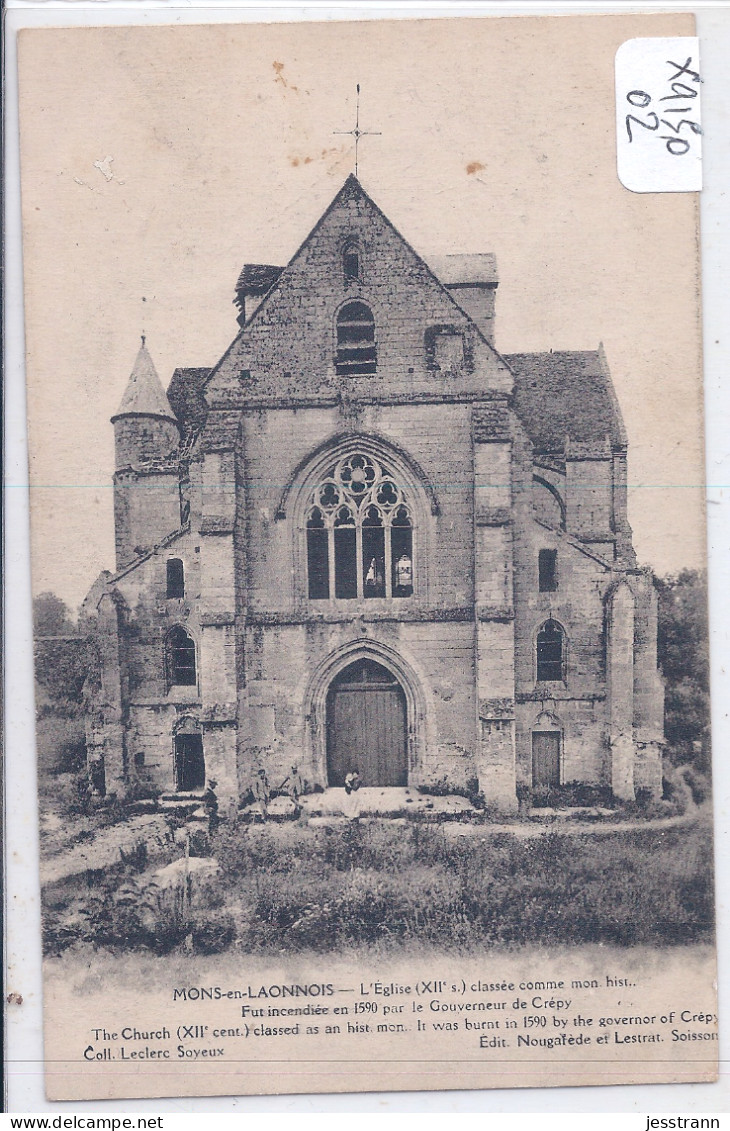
(181, 666)
(359, 534)
(356, 354)
(550, 653)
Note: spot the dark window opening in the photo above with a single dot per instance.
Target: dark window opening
(356, 354)
(181, 659)
(351, 262)
(547, 565)
(175, 578)
(550, 653)
(189, 763)
(139, 759)
(345, 555)
(318, 565)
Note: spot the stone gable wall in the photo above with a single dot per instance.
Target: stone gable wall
(288, 348)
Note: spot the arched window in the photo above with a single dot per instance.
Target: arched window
(356, 355)
(359, 533)
(181, 667)
(551, 653)
(351, 261)
(175, 578)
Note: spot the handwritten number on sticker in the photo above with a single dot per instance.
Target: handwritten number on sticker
(681, 90)
(676, 145)
(696, 129)
(681, 144)
(659, 98)
(683, 69)
(632, 118)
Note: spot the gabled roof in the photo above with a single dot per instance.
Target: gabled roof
(351, 212)
(144, 395)
(566, 394)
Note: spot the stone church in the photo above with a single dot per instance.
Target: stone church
(365, 539)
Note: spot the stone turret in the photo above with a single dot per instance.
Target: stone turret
(146, 479)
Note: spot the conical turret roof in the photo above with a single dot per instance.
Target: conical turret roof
(144, 395)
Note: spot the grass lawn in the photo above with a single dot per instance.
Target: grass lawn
(292, 888)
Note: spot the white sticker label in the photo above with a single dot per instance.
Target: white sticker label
(658, 120)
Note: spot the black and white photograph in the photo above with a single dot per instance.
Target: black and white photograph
(369, 561)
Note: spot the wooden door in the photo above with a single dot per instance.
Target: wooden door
(366, 727)
(189, 763)
(546, 758)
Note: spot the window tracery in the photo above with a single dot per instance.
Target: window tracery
(550, 646)
(359, 533)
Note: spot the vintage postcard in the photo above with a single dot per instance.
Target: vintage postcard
(368, 535)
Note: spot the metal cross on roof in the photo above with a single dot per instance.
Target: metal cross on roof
(357, 133)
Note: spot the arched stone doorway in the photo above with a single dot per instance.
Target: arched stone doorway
(367, 726)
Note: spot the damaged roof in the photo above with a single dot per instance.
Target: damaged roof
(566, 394)
(185, 394)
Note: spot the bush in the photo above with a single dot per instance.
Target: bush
(574, 794)
(683, 654)
(371, 883)
(60, 741)
(697, 782)
(380, 884)
(77, 799)
(136, 858)
(212, 933)
(675, 788)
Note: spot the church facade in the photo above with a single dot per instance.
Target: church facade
(366, 540)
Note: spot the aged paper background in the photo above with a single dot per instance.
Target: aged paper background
(222, 151)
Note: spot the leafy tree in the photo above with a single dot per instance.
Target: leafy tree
(51, 616)
(683, 651)
(60, 654)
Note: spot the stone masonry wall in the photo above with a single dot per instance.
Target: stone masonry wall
(437, 437)
(288, 348)
(279, 726)
(576, 707)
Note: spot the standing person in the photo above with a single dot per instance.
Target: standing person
(261, 792)
(353, 782)
(210, 800)
(296, 788)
